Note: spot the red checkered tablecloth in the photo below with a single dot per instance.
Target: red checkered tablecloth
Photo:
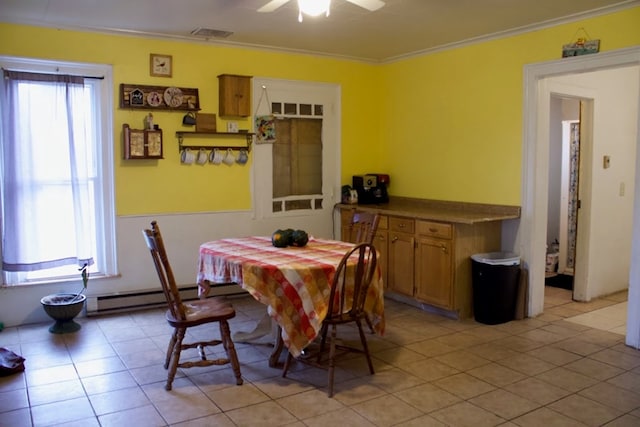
(294, 283)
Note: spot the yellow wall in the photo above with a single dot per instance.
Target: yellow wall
(452, 127)
(160, 186)
(447, 125)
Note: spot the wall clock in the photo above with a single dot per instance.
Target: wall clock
(161, 65)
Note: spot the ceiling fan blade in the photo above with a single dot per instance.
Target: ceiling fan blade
(272, 5)
(370, 5)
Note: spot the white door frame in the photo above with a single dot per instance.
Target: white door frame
(532, 230)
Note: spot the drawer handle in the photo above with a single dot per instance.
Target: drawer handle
(443, 248)
(394, 239)
(402, 225)
(433, 230)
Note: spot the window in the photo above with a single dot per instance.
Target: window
(297, 177)
(297, 164)
(56, 182)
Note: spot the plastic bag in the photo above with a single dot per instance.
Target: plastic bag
(10, 363)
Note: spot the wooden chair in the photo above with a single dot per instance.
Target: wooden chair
(363, 227)
(182, 315)
(346, 305)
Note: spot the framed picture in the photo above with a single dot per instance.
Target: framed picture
(161, 65)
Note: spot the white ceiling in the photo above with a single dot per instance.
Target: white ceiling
(400, 28)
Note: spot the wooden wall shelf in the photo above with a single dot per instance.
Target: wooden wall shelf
(248, 136)
(168, 98)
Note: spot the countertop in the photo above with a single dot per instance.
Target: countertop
(439, 210)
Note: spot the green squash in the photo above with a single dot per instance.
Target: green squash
(299, 238)
(279, 239)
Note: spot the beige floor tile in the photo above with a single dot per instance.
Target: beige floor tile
(628, 381)
(13, 399)
(615, 397)
(342, 417)
(386, 411)
(518, 343)
(427, 398)
(217, 420)
(356, 391)
(399, 356)
(460, 340)
(62, 412)
(18, 417)
(237, 396)
(496, 374)
(277, 387)
(108, 382)
(465, 414)
(567, 379)
(431, 347)
(554, 355)
(537, 390)
(55, 392)
(429, 369)
(395, 379)
(504, 404)
(492, 351)
(615, 358)
(594, 369)
(585, 410)
(84, 353)
(118, 400)
(142, 416)
(423, 421)
(547, 418)
(36, 377)
(526, 364)
(578, 346)
(462, 360)
(625, 421)
(309, 404)
(13, 382)
(464, 386)
(265, 414)
(99, 366)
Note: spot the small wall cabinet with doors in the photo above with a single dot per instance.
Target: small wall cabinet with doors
(234, 95)
(429, 261)
(141, 143)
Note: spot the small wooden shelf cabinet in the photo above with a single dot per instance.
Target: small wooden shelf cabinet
(234, 95)
(142, 143)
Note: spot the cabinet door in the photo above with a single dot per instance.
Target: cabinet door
(400, 262)
(234, 95)
(433, 272)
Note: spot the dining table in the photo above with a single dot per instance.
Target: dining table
(294, 283)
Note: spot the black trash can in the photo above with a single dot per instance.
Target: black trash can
(495, 278)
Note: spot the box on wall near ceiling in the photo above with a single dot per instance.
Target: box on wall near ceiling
(205, 122)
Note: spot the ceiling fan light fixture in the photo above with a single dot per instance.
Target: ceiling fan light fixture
(313, 7)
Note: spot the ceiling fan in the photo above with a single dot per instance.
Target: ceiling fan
(320, 6)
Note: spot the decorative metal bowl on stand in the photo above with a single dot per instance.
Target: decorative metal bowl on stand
(63, 308)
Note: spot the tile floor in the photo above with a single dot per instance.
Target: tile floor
(430, 371)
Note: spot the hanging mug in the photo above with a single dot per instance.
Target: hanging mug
(189, 119)
(243, 157)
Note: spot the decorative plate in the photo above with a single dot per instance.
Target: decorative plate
(154, 99)
(173, 97)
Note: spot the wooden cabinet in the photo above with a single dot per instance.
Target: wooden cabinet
(434, 262)
(141, 143)
(401, 248)
(429, 261)
(234, 95)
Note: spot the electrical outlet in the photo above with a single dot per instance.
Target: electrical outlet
(232, 127)
(621, 191)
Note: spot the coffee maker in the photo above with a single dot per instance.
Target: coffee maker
(371, 188)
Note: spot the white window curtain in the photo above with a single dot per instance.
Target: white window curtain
(48, 173)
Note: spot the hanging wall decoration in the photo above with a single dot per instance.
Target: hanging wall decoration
(265, 125)
(582, 45)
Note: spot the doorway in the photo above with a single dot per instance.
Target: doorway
(563, 201)
(531, 239)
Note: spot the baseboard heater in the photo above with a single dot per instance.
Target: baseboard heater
(129, 301)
